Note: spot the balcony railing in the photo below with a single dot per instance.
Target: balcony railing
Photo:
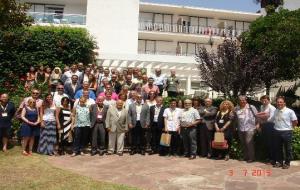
(196, 30)
(166, 53)
(54, 18)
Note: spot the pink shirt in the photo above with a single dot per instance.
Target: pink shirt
(114, 96)
(147, 89)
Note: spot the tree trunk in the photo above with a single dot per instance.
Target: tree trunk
(268, 86)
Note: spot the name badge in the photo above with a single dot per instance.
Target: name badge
(99, 116)
(221, 121)
(242, 116)
(171, 82)
(155, 118)
(4, 114)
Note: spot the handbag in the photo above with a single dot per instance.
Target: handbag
(165, 139)
(219, 138)
(220, 146)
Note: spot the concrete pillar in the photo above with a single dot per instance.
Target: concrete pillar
(188, 84)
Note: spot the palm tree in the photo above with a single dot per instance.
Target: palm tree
(269, 5)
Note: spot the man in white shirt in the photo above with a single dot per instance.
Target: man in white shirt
(172, 126)
(66, 78)
(159, 80)
(58, 95)
(266, 113)
(285, 120)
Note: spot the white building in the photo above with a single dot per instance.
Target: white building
(130, 33)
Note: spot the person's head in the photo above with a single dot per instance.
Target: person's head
(32, 69)
(173, 72)
(173, 103)
(187, 103)
(128, 78)
(86, 94)
(280, 102)
(108, 95)
(133, 94)
(180, 103)
(87, 71)
(159, 100)
(140, 75)
(41, 68)
(74, 68)
(265, 100)
(114, 77)
(31, 103)
(226, 105)
(151, 95)
(92, 78)
(48, 70)
(119, 104)
(105, 82)
(82, 101)
(106, 72)
(35, 93)
(208, 102)
(108, 88)
(47, 101)
(157, 71)
(100, 68)
(242, 101)
(123, 96)
(66, 68)
(135, 71)
(139, 98)
(150, 81)
(4, 98)
(57, 70)
(74, 79)
(100, 101)
(196, 102)
(60, 89)
(125, 89)
(129, 71)
(144, 78)
(85, 85)
(125, 72)
(65, 101)
(120, 76)
(113, 71)
(80, 66)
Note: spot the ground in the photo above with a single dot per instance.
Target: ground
(172, 173)
(140, 172)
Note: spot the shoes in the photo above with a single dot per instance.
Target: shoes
(143, 153)
(226, 158)
(209, 156)
(278, 165)
(101, 152)
(192, 157)
(75, 154)
(250, 161)
(285, 166)
(109, 153)
(132, 152)
(93, 153)
(120, 154)
(24, 153)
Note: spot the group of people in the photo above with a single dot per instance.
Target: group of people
(110, 110)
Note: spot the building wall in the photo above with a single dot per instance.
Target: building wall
(291, 4)
(114, 23)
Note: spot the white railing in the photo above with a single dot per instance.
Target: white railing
(166, 53)
(197, 30)
(54, 18)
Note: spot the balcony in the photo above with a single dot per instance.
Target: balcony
(195, 30)
(55, 18)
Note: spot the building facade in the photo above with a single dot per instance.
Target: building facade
(131, 33)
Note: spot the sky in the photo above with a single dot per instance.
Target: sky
(237, 5)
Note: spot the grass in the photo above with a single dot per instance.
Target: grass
(34, 172)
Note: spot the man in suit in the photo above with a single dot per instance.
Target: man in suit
(116, 86)
(72, 88)
(98, 116)
(138, 122)
(156, 124)
(116, 125)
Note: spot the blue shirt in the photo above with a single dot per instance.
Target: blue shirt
(79, 94)
(6, 114)
(283, 119)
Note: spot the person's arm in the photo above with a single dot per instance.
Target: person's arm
(23, 113)
(148, 117)
(129, 117)
(35, 77)
(40, 115)
(57, 118)
(294, 119)
(73, 115)
(166, 124)
(107, 120)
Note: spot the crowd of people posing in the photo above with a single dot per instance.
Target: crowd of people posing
(112, 111)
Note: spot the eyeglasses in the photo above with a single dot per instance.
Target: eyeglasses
(59, 88)
(35, 93)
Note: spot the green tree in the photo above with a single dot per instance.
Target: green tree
(13, 14)
(269, 5)
(274, 42)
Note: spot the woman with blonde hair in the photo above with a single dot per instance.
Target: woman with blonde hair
(223, 123)
(55, 78)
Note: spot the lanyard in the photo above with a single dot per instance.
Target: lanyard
(4, 109)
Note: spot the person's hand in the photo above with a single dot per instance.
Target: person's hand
(58, 126)
(108, 130)
(42, 124)
(130, 126)
(222, 129)
(217, 129)
(258, 128)
(166, 130)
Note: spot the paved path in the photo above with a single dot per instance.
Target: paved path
(172, 173)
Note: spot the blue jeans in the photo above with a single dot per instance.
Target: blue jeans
(79, 139)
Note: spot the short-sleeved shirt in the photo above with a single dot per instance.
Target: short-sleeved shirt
(190, 115)
(159, 80)
(82, 116)
(57, 98)
(6, 114)
(283, 119)
(147, 89)
(173, 118)
(246, 119)
(172, 83)
(80, 92)
(269, 109)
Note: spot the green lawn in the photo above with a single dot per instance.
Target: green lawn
(34, 172)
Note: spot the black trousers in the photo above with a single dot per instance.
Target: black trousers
(206, 137)
(138, 138)
(175, 142)
(161, 89)
(98, 137)
(80, 134)
(155, 137)
(268, 134)
(172, 94)
(284, 140)
(189, 137)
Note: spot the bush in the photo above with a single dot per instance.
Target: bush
(42, 45)
(296, 143)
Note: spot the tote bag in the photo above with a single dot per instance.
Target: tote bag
(165, 139)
